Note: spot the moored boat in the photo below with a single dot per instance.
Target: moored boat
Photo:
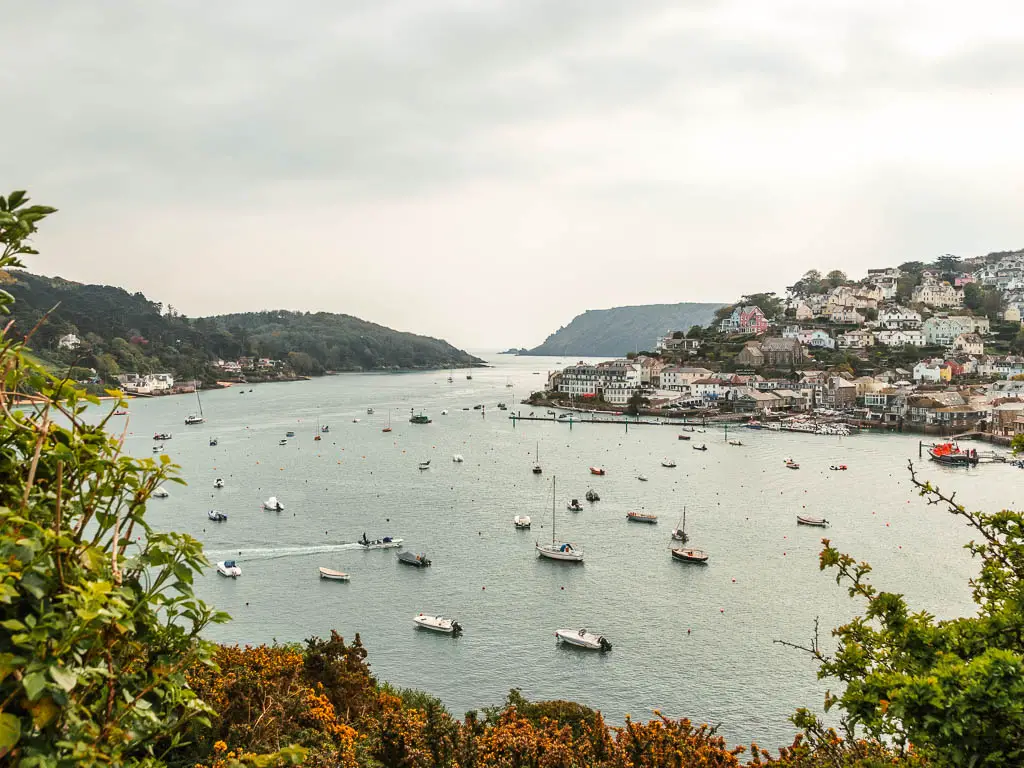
(419, 418)
(160, 493)
(689, 555)
(438, 624)
(417, 561)
(790, 464)
(332, 575)
(952, 455)
(700, 447)
(213, 441)
(581, 638)
(229, 568)
(684, 437)
(283, 441)
(668, 463)
(521, 521)
(641, 517)
(735, 442)
(218, 483)
(558, 550)
(425, 464)
(592, 495)
(290, 433)
(642, 478)
(574, 506)
(458, 458)
(819, 522)
(679, 532)
(217, 517)
(597, 470)
(162, 436)
(838, 467)
(273, 505)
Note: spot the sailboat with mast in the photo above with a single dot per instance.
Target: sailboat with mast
(536, 467)
(558, 550)
(387, 427)
(196, 418)
(316, 435)
(679, 532)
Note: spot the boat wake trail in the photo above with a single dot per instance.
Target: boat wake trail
(276, 553)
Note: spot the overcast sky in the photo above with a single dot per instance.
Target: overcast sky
(484, 170)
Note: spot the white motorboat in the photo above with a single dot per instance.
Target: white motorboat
(583, 639)
(273, 505)
(355, 421)
(283, 441)
(217, 517)
(819, 522)
(444, 413)
(327, 573)
(521, 521)
(458, 458)
(157, 448)
(160, 493)
(385, 543)
(642, 478)
(229, 568)
(558, 550)
(425, 464)
(735, 442)
(574, 506)
(438, 624)
(218, 483)
(668, 463)
(369, 411)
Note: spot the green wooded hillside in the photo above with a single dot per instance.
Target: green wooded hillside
(619, 330)
(127, 332)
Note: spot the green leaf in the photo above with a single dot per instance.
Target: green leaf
(10, 731)
(34, 683)
(64, 677)
(13, 625)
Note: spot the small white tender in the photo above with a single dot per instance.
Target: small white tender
(581, 638)
(218, 483)
(229, 568)
(273, 504)
(521, 521)
(438, 624)
(160, 493)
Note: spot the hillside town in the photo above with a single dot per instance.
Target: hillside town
(931, 348)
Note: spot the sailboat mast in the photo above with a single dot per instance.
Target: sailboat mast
(552, 511)
(199, 399)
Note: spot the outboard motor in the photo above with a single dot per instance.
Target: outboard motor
(605, 645)
(456, 628)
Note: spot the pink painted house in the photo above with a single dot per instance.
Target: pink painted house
(748, 319)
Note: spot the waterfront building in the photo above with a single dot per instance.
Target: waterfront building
(614, 381)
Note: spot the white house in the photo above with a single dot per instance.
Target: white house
(898, 317)
(943, 330)
(809, 337)
(856, 340)
(969, 344)
(886, 279)
(146, 384)
(926, 371)
(69, 341)
(898, 338)
(710, 389)
(676, 377)
(1002, 368)
(615, 381)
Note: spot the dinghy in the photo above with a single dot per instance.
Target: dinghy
(217, 517)
(330, 575)
(521, 521)
(417, 561)
(273, 505)
(819, 522)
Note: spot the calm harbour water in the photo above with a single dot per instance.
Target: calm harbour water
(689, 640)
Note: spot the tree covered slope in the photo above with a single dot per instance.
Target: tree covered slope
(616, 331)
(129, 332)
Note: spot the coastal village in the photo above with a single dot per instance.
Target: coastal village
(924, 348)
